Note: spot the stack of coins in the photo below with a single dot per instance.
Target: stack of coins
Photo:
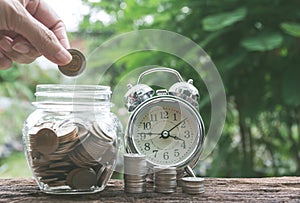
(76, 66)
(165, 180)
(71, 155)
(135, 170)
(193, 185)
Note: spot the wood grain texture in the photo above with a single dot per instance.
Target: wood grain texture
(284, 189)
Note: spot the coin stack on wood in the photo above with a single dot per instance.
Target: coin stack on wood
(76, 66)
(72, 155)
(135, 170)
(165, 180)
(193, 185)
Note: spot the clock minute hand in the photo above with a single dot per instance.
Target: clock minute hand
(177, 125)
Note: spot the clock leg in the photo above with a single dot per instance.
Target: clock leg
(189, 171)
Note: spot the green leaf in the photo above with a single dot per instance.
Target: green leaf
(10, 74)
(24, 91)
(219, 21)
(262, 42)
(231, 61)
(291, 87)
(291, 28)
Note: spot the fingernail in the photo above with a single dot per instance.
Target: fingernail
(21, 48)
(63, 56)
(5, 45)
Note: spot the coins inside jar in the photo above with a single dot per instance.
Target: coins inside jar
(76, 66)
(71, 155)
(45, 141)
(82, 178)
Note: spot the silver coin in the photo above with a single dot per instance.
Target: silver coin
(171, 172)
(166, 184)
(106, 174)
(193, 191)
(135, 164)
(134, 177)
(193, 181)
(135, 184)
(165, 190)
(193, 185)
(104, 131)
(135, 190)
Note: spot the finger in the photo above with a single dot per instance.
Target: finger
(6, 44)
(22, 46)
(43, 39)
(19, 58)
(47, 44)
(47, 16)
(5, 62)
(10, 34)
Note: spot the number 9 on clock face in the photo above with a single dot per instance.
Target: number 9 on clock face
(168, 130)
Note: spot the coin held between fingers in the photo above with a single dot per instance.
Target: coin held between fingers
(76, 66)
(63, 56)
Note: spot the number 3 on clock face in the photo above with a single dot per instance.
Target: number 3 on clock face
(167, 130)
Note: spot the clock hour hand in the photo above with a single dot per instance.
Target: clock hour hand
(177, 125)
(177, 138)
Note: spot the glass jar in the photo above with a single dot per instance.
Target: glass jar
(72, 140)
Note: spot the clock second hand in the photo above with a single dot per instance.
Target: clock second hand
(150, 135)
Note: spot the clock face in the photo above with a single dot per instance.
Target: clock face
(167, 130)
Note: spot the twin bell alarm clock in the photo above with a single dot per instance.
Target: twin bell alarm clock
(164, 125)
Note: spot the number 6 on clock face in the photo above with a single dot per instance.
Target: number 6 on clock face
(168, 130)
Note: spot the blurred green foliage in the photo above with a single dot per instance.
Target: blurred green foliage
(10, 166)
(17, 87)
(255, 46)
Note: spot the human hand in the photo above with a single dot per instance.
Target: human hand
(29, 29)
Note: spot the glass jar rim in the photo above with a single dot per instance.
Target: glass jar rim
(79, 97)
(64, 88)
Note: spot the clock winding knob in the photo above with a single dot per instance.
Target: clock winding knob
(136, 95)
(186, 91)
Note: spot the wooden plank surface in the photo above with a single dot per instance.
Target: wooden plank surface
(283, 189)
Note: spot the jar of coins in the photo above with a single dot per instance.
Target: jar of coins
(72, 139)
